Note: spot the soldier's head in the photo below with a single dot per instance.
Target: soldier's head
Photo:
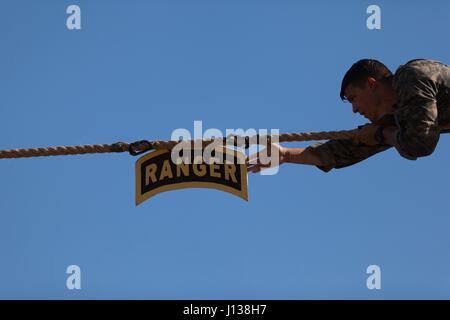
(365, 85)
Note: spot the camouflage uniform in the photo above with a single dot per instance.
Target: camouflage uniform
(423, 103)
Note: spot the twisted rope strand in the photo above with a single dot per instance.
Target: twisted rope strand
(64, 150)
(284, 137)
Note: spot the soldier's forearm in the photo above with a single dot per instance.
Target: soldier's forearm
(390, 135)
(302, 156)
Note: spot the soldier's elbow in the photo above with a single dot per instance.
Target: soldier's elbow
(420, 150)
(422, 153)
(418, 145)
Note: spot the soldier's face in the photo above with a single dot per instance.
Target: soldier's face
(364, 100)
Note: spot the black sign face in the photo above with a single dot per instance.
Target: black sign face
(156, 173)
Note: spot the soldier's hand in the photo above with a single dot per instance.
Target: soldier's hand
(367, 134)
(260, 161)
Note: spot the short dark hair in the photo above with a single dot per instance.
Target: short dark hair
(361, 70)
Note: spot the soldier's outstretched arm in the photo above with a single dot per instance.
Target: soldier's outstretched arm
(333, 154)
(336, 154)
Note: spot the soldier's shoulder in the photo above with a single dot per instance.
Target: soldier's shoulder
(418, 68)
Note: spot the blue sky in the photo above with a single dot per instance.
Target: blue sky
(141, 69)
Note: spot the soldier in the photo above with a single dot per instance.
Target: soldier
(406, 110)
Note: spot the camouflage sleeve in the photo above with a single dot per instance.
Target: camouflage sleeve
(416, 113)
(343, 153)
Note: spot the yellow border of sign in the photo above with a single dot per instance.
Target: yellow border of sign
(183, 185)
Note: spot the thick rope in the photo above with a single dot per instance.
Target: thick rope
(142, 146)
(64, 150)
(284, 137)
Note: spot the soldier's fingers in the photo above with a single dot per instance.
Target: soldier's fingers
(260, 166)
(254, 169)
(252, 158)
(249, 166)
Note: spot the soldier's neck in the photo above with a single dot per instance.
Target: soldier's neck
(389, 100)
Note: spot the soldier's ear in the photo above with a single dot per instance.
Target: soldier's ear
(371, 81)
